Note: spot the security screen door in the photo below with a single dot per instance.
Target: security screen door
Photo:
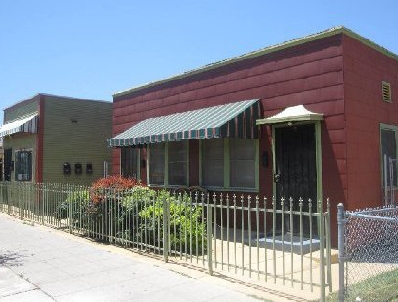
(295, 172)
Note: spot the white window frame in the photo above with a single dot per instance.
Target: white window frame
(395, 130)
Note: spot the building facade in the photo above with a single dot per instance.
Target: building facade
(310, 118)
(51, 138)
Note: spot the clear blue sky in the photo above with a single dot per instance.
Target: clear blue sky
(94, 48)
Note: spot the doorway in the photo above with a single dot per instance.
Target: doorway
(296, 173)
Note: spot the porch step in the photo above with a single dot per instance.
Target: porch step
(334, 256)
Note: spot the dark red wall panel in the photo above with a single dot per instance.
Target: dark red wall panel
(310, 74)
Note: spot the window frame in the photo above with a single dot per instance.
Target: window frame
(227, 168)
(138, 161)
(166, 165)
(16, 165)
(395, 130)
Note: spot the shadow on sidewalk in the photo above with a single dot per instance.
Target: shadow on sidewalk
(9, 258)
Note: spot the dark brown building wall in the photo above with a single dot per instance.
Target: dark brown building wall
(364, 71)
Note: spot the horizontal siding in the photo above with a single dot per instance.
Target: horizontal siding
(75, 131)
(22, 109)
(309, 74)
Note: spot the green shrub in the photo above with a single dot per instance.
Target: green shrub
(130, 211)
(187, 230)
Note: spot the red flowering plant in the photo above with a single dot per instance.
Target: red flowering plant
(111, 186)
(116, 197)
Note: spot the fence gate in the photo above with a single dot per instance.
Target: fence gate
(368, 254)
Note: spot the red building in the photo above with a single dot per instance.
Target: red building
(309, 117)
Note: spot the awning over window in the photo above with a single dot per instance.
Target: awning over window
(229, 120)
(28, 124)
(291, 114)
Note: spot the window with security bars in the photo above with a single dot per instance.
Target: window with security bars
(23, 165)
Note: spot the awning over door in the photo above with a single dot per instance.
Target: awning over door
(28, 124)
(229, 120)
(291, 114)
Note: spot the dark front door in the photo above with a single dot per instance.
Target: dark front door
(295, 177)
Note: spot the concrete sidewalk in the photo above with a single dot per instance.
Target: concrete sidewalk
(42, 264)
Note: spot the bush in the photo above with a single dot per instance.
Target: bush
(187, 230)
(112, 184)
(79, 208)
(130, 211)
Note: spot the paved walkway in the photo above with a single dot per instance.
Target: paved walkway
(44, 264)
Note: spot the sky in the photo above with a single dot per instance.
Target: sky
(95, 48)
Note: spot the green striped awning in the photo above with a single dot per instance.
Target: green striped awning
(229, 120)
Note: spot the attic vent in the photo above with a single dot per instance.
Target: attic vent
(386, 91)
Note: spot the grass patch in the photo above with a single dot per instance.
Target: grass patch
(383, 287)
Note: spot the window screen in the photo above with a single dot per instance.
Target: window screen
(242, 158)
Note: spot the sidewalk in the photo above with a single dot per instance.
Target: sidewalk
(44, 264)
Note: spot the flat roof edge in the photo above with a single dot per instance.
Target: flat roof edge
(270, 49)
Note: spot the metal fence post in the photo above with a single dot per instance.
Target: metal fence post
(340, 241)
(321, 248)
(166, 218)
(209, 221)
(70, 209)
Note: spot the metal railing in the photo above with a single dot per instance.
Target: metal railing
(368, 254)
(282, 241)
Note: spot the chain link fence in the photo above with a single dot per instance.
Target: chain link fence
(370, 254)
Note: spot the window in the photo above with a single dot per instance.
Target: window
(388, 150)
(177, 160)
(130, 162)
(168, 163)
(230, 163)
(156, 163)
(23, 165)
(213, 163)
(242, 160)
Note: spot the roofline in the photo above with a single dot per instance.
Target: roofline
(51, 95)
(270, 49)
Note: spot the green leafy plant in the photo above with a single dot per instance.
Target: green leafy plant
(129, 211)
(187, 228)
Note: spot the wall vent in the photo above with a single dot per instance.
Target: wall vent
(386, 91)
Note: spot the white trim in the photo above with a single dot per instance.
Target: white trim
(291, 114)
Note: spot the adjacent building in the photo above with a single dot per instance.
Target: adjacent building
(50, 138)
